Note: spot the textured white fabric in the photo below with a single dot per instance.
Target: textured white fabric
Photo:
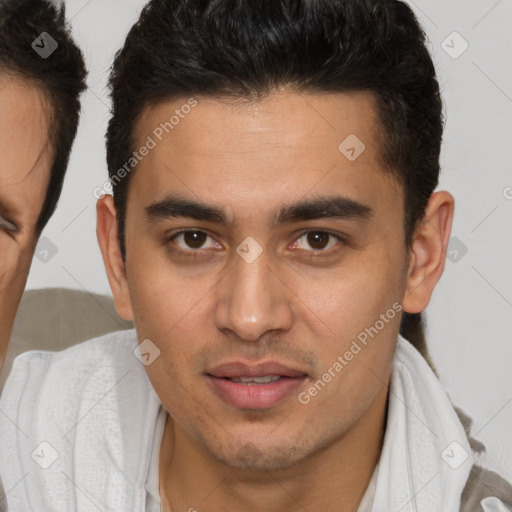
(153, 503)
(95, 408)
(422, 424)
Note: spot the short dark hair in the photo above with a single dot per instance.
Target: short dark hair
(61, 76)
(246, 49)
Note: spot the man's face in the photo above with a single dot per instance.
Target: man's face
(298, 292)
(24, 174)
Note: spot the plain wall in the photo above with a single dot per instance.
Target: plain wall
(469, 318)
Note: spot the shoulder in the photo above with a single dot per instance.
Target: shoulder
(82, 354)
(88, 411)
(486, 491)
(483, 490)
(63, 384)
(78, 363)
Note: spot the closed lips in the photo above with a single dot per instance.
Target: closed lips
(260, 373)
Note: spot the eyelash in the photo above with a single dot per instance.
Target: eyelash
(317, 253)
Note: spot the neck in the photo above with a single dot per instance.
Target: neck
(334, 478)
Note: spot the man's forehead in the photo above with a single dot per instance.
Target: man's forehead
(293, 112)
(26, 152)
(267, 169)
(289, 131)
(24, 129)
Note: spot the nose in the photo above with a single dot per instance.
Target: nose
(252, 300)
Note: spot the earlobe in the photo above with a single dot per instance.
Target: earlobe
(428, 252)
(107, 233)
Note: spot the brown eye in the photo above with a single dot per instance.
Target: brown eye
(318, 239)
(193, 239)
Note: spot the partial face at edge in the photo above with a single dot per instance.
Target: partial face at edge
(318, 283)
(24, 173)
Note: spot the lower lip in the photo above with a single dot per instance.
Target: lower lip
(255, 396)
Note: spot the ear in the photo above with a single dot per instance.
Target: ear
(428, 252)
(107, 233)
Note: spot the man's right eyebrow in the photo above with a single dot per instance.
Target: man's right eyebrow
(174, 206)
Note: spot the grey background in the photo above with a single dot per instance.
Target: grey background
(469, 319)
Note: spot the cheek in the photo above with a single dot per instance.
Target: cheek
(353, 341)
(340, 302)
(10, 252)
(174, 311)
(14, 264)
(14, 269)
(353, 313)
(163, 299)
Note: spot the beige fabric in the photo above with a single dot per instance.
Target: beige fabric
(56, 318)
(3, 499)
(482, 484)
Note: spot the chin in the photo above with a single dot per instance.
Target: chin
(251, 456)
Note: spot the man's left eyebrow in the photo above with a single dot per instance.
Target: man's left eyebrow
(330, 207)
